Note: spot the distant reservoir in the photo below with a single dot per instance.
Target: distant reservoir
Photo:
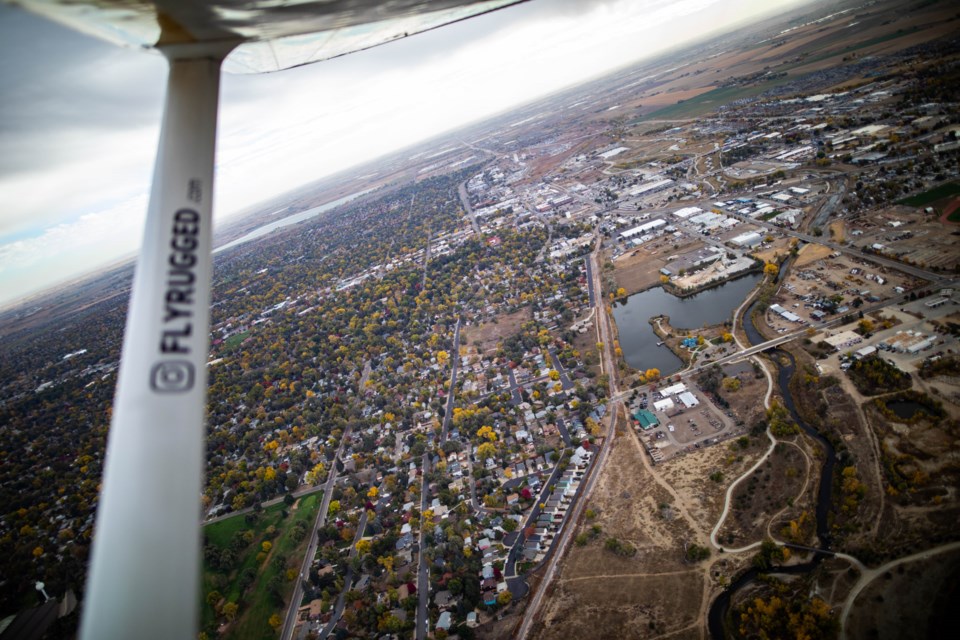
(713, 306)
(259, 232)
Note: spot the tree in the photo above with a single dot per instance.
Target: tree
(334, 507)
(316, 473)
(731, 384)
(771, 269)
(504, 598)
(275, 621)
(373, 493)
(487, 432)
(486, 450)
(266, 545)
(363, 547)
(230, 611)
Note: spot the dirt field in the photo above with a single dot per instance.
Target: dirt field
(638, 272)
(767, 494)
(914, 600)
(838, 231)
(690, 478)
(639, 269)
(811, 253)
(489, 334)
(599, 594)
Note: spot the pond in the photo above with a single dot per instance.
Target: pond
(906, 409)
(713, 306)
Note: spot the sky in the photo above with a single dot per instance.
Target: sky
(80, 118)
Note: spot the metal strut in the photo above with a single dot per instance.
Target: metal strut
(145, 566)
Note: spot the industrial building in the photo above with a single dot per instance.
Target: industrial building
(908, 342)
(748, 240)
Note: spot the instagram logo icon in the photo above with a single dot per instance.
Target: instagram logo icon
(175, 376)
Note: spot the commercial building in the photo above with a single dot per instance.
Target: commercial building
(749, 240)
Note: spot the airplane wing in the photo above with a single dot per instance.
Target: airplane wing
(273, 34)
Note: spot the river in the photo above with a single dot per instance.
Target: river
(709, 307)
(720, 607)
(259, 232)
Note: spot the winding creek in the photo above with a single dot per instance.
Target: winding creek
(720, 607)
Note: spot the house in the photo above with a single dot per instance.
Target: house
(443, 599)
(445, 621)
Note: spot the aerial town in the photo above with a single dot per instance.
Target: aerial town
(675, 353)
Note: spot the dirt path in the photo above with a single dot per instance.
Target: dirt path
(627, 575)
(851, 391)
(663, 484)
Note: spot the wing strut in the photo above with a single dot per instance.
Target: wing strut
(145, 567)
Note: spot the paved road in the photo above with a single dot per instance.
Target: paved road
(887, 262)
(452, 391)
(564, 378)
(290, 619)
(562, 426)
(423, 566)
(515, 397)
(299, 493)
(462, 190)
(348, 579)
(590, 292)
(510, 567)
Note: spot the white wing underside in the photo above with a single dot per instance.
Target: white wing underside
(272, 34)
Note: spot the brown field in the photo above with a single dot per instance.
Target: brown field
(639, 269)
(765, 495)
(746, 403)
(601, 595)
(777, 250)
(689, 475)
(913, 600)
(838, 231)
(659, 99)
(811, 253)
(490, 333)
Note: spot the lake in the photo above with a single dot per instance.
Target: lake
(259, 232)
(713, 306)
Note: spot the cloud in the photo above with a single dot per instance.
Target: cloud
(70, 249)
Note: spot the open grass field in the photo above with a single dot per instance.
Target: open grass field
(926, 198)
(709, 101)
(256, 602)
